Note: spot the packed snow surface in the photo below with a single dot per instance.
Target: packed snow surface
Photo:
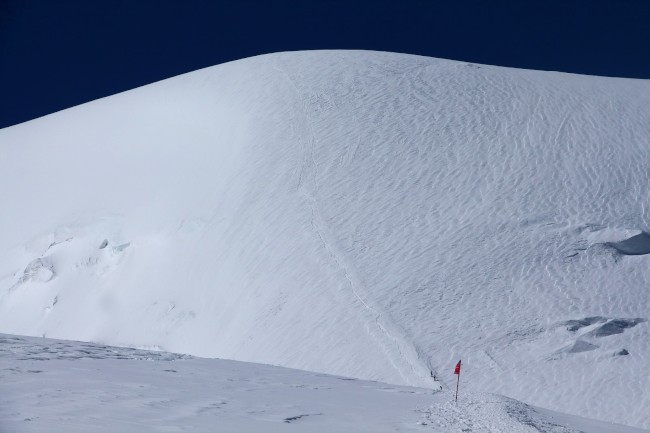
(65, 386)
(365, 214)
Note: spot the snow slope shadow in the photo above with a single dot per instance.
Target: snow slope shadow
(635, 246)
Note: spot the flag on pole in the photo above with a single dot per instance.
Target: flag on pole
(457, 371)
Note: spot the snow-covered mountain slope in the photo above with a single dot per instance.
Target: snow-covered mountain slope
(366, 214)
(66, 386)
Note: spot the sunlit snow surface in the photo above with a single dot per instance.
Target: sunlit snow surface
(364, 214)
(64, 386)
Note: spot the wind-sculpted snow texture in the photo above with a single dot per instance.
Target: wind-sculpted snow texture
(366, 214)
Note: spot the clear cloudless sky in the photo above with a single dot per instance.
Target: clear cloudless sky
(55, 54)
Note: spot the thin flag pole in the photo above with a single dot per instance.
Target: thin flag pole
(457, 371)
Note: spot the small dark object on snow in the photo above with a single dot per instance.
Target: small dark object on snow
(622, 352)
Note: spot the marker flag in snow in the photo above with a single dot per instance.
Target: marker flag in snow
(457, 371)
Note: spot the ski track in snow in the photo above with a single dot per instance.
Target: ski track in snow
(366, 214)
(390, 341)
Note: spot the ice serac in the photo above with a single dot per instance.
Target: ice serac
(358, 213)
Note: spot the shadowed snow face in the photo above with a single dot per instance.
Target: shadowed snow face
(636, 245)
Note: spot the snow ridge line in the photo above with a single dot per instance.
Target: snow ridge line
(406, 364)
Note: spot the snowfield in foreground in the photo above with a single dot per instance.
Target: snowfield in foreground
(363, 214)
(65, 386)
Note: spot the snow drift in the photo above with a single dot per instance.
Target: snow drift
(366, 214)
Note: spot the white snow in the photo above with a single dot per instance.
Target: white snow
(66, 386)
(365, 214)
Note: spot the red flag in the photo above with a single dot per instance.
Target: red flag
(457, 369)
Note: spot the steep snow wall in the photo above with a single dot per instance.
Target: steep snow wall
(359, 213)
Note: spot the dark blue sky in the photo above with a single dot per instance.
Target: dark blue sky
(56, 54)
